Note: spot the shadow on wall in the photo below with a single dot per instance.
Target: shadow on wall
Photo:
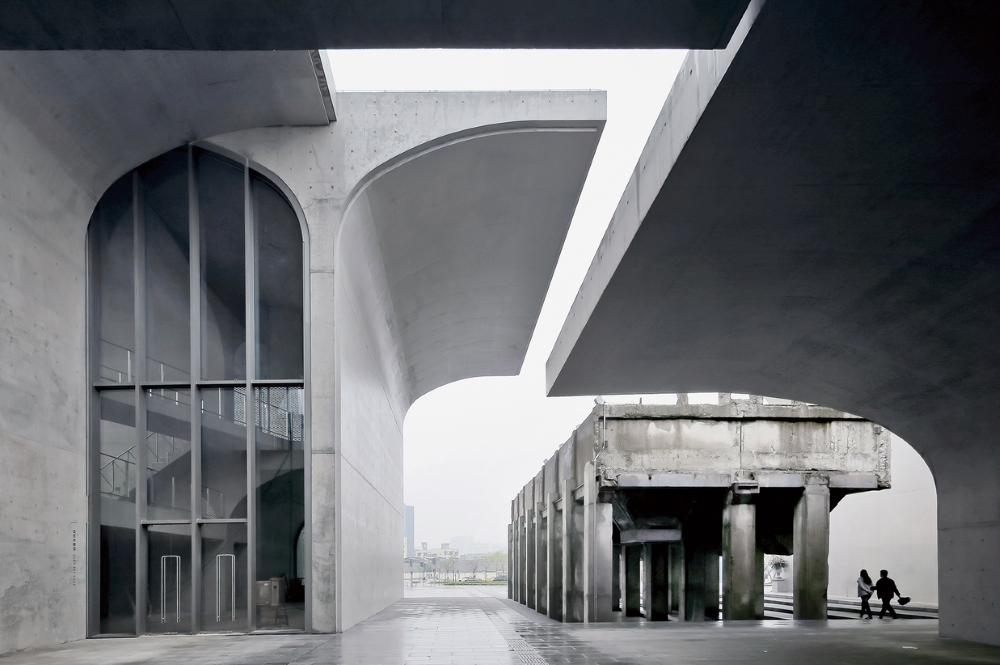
(895, 529)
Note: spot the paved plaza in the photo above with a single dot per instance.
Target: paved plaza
(459, 625)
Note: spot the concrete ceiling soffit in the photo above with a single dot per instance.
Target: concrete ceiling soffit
(102, 113)
(469, 233)
(316, 24)
(696, 82)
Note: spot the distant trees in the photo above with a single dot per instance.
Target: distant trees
(498, 560)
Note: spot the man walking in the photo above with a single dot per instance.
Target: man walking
(885, 588)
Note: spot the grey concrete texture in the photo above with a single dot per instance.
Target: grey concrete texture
(474, 626)
(794, 228)
(72, 123)
(264, 25)
(741, 438)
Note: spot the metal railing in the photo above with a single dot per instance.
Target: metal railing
(122, 464)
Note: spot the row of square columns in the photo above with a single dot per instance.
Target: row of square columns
(566, 565)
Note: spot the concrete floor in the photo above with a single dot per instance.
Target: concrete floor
(479, 625)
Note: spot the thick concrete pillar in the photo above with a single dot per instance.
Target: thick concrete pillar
(510, 560)
(739, 558)
(677, 581)
(811, 546)
(694, 589)
(572, 550)
(553, 556)
(659, 569)
(633, 590)
(541, 560)
(529, 555)
(597, 543)
(647, 580)
(522, 553)
(759, 585)
(712, 586)
(616, 579)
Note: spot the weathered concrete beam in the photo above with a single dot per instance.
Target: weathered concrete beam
(650, 536)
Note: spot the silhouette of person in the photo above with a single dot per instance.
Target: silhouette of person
(865, 589)
(886, 589)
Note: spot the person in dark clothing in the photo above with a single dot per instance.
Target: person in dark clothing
(865, 589)
(885, 588)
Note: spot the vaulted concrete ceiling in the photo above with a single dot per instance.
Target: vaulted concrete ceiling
(315, 24)
(469, 233)
(817, 216)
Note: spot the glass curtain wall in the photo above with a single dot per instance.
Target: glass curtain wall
(196, 298)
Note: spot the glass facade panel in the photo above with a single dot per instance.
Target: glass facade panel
(221, 191)
(113, 237)
(146, 570)
(168, 454)
(223, 453)
(168, 576)
(117, 468)
(223, 577)
(279, 284)
(168, 302)
(280, 506)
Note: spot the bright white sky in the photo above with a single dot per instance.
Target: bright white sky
(471, 445)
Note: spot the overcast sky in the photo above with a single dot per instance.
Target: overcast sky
(471, 445)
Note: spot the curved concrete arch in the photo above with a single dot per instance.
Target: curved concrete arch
(511, 189)
(815, 218)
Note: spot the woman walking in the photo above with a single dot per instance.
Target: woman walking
(864, 593)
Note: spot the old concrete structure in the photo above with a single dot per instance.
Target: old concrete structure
(814, 217)
(670, 489)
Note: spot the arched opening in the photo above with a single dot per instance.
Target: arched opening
(196, 342)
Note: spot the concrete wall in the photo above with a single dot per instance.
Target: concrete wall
(61, 145)
(893, 529)
(398, 280)
(43, 215)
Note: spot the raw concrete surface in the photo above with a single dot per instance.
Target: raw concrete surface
(274, 24)
(463, 625)
(814, 217)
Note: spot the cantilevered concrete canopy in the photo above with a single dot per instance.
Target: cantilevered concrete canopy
(816, 216)
(275, 24)
(470, 232)
(104, 112)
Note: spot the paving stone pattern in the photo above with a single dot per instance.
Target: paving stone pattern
(469, 625)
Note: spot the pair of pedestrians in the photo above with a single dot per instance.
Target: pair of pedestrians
(885, 588)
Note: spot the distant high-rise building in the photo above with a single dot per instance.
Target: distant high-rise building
(408, 529)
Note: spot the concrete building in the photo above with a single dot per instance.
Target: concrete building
(223, 286)
(812, 218)
(794, 228)
(667, 489)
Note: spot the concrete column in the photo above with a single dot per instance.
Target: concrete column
(659, 578)
(694, 588)
(739, 558)
(617, 577)
(811, 546)
(522, 553)
(572, 551)
(678, 581)
(510, 560)
(553, 556)
(541, 559)
(597, 543)
(759, 585)
(529, 589)
(647, 580)
(633, 590)
(712, 586)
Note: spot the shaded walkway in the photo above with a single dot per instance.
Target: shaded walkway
(460, 625)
